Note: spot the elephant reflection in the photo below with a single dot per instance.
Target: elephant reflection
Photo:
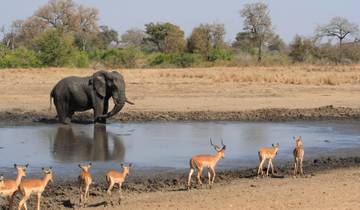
(78, 146)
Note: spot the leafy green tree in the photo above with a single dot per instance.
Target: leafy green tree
(167, 37)
(55, 48)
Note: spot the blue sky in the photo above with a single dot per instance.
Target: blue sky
(289, 17)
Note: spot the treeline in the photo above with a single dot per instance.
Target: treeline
(63, 33)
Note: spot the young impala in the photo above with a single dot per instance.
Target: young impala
(115, 177)
(298, 156)
(84, 181)
(11, 186)
(264, 154)
(34, 186)
(209, 161)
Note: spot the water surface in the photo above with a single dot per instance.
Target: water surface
(165, 146)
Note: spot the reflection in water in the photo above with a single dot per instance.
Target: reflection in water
(73, 145)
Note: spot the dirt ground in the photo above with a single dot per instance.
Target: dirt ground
(335, 189)
(247, 93)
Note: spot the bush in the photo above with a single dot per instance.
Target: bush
(175, 59)
(220, 54)
(118, 58)
(79, 59)
(19, 57)
(55, 48)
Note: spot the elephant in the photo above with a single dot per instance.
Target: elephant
(73, 94)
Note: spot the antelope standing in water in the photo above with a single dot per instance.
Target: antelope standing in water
(198, 162)
(267, 153)
(84, 181)
(34, 186)
(11, 186)
(298, 156)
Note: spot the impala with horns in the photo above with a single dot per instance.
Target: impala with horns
(34, 186)
(11, 186)
(267, 153)
(84, 181)
(298, 154)
(198, 162)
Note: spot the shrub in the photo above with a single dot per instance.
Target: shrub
(55, 48)
(175, 59)
(117, 57)
(220, 54)
(19, 57)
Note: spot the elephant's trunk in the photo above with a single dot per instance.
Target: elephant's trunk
(119, 104)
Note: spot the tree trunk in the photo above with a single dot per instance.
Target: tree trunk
(259, 50)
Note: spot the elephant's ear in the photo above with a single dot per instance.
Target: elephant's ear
(99, 84)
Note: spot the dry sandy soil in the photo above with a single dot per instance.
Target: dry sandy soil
(246, 93)
(336, 189)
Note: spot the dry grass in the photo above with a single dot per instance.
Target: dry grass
(200, 89)
(298, 75)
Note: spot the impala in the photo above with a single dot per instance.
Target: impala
(11, 186)
(84, 181)
(28, 187)
(1, 181)
(115, 177)
(267, 153)
(298, 156)
(198, 162)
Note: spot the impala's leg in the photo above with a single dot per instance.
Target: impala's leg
(209, 176)
(199, 175)
(301, 166)
(111, 185)
(23, 202)
(189, 179)
(86, 193)
(260, 169)
(272, 167)
(213, 178)
(38, 201)
(295, 166)
(268, 167)
(120, 185)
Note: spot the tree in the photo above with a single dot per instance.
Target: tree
(167, 37)
(133, 38)
(245, 42)
(107, 36)
(54, 47)
(200, 40)
(301, 49)
(257, 21)
(205, 38)
(339, 28)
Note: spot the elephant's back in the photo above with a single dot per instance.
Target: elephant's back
(70, 87)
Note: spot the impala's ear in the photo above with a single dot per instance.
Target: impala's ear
(27, 165)
(122, 165)
(15, 165)
(42, 168)
(79, 166)
(130, 165)
(50, 168)
(272, 145)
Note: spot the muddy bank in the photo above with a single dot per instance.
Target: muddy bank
(20, 117)
(65, 195)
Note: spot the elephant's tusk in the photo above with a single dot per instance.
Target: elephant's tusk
(129, 102)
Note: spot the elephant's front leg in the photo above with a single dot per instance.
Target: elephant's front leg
(100, 108)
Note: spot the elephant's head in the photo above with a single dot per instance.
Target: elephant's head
(110, 84)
